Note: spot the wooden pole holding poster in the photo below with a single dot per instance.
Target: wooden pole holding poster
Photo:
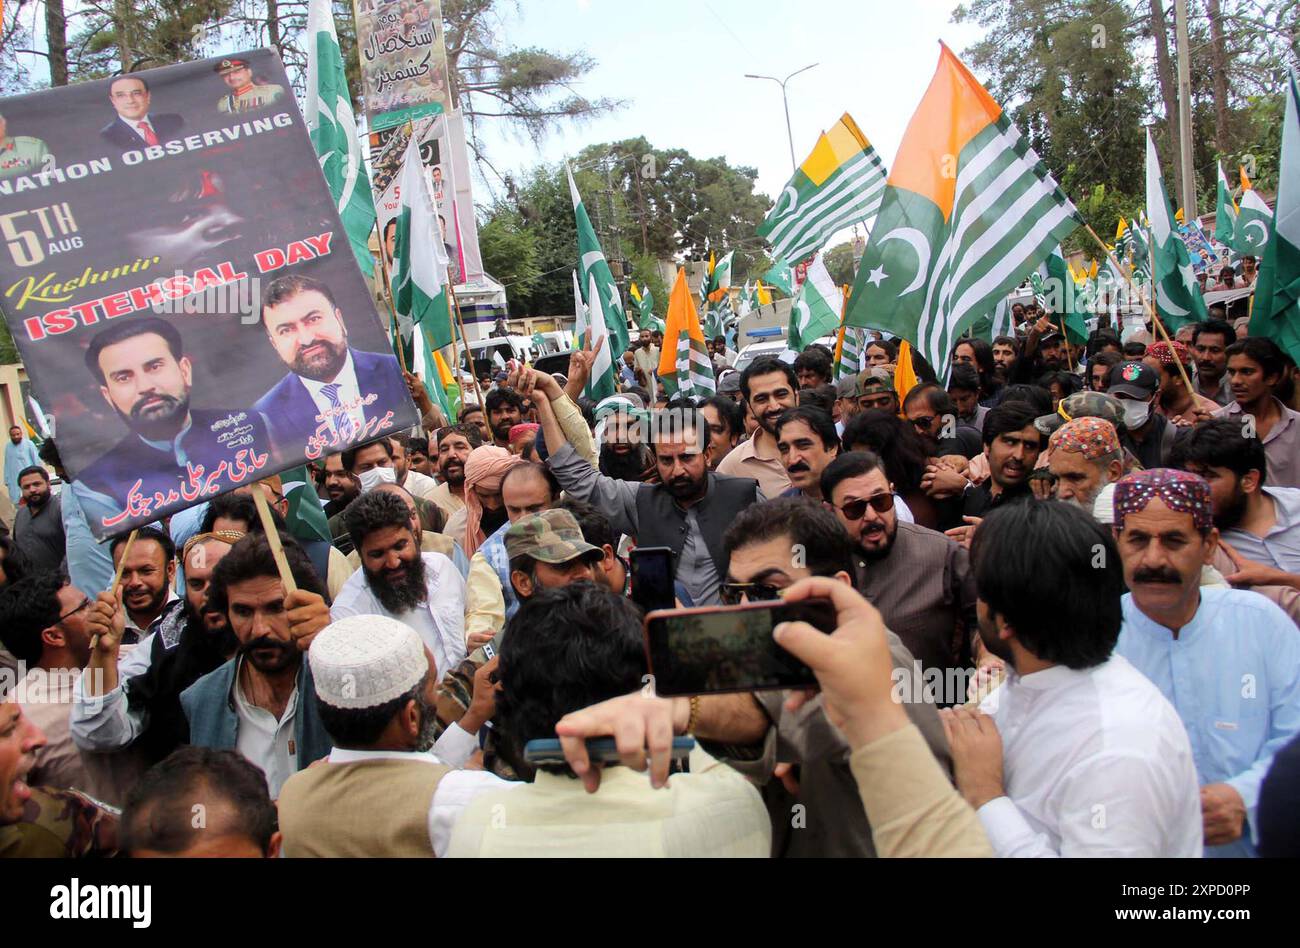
(273, 538)
(469, 356)
(126, 551)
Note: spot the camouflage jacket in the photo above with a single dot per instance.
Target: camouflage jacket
(60, 824)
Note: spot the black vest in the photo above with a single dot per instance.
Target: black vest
(660, 522)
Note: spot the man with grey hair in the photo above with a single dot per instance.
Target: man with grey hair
(386, 792)
(1086, 457)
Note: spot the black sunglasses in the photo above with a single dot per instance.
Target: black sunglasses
(856, 509)
(755, 592)
(924, 423)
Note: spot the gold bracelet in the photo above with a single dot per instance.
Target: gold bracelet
(694, 719)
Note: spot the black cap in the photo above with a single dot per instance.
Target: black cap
(1134, 379)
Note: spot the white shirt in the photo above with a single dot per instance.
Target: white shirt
(349, 394)
(455, 790)
(440, 619)
(420, 485)
(260, 738)
(1095, 763)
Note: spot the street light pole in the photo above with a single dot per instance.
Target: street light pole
(786, 100)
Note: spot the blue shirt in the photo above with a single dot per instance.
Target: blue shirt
(1281, 547)
(89, 566)
(1233, 674)
(19, 457)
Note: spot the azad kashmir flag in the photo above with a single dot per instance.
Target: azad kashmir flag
(684, 364)
(1225, 211)
(591, 262)
(645, 309)
(719, 281)
(1255, 214)
(952, 240)
(332, 125)
(419, 260)
(816, 310)
(592, 328)
(1276, 310)
(1063, 296)
(840, 184)
(1177, 295)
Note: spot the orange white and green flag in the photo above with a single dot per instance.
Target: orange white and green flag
(969, 211)
(684, 364)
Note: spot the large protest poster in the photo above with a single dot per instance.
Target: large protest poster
(403, 60)
(182, 292)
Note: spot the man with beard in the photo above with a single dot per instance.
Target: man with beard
(807, 442)
(1085, 456)
(726, 427)
(329, 383)
(423, 590)
(417, 484)
(430, 542)
(1256, 366)
(1176, 403)
(919, 579)
(258, 703)
(389, 789)
(146, 379)
(148, 578)
(1011, 444)
(687, 511)
(618, 430)
(1227, 659)
(547, 551)
(454, 446)
(20, 454)
(38, 525)
(769, 387)
(1077, 754)
(505, 409)
(340, 485)
(1210, 341)
(1006, 352)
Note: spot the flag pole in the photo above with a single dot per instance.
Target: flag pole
(117, 576)
(1147, 304)
(460, 320)
(392, 309)
(273, 538)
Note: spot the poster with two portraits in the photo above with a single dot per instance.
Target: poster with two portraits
(181, 289)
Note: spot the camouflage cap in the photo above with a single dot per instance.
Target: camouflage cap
(552, 536)
(875, 380)
(1084, 405)
(847, 387)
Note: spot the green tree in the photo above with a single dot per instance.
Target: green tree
(841, 263)
(510, 254)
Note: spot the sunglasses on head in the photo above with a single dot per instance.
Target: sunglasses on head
(754, 592)
(856, 509)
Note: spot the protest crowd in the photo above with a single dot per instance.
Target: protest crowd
(1056, 527)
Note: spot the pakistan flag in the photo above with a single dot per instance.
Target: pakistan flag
(1178, 297)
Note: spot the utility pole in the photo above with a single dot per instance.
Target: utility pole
(1185, 111)
(794, 165)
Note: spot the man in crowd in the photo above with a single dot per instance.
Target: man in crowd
(1210, 341)
(1179, 405)
(846, 402)
(1075, 732)
(726, 427)
(876, 390)
(387, 790)
(20, 454)
(1227, 659)
(1006, 352)
(505, 409)
(473, 414)
(419, 456)
(756, 733)
(340, 485)
(239, 817)
(430, 542)
(964, 390)
(1011, 444)
(148, 578)
(454, 445)
(769, 387)
(1255, 368)
(577, 646)
(934, 416)
(623, 455)
(807, 442)
(1148, 435)
(812, 368)
(423, 590)
(547, 551)
(38, 525)
(419, 485)
(919, 579)
(1085, 457)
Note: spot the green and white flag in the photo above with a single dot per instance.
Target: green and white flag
(1065, 299)
(968, 211)
(592, 263)
(1177, 294)
(840, 184)
(1276, 311)
(781, 276)
(1253, 224)
(420, 262)
(816, 310)
(852, 350)
(305, 519)
(645, 308)
(1225, 211)
(719, 281)
(591, 323)
(999, 324)
(327, 110)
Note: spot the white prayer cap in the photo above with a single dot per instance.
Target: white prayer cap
(366, 661)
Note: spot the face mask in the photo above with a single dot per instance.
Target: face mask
(1136, 413)
(375, 476)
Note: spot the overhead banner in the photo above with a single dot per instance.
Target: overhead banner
(446, 161)
(181, 289)
(403, 60)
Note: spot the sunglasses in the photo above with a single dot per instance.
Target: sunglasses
(755, 592)
(924, 422)
(856, 509)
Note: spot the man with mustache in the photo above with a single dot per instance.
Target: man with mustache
(340, 485)
(806, 440)
(328, 383)
(505, 409)
(1227, 659)
(769, 387)
(919, 579)
(259, 702)
(454, 446)
(1086, 456)
(38, 524)
(423, 590)
(1210, 341)
(1012, 444)
(146, 378)
(622, 455)
(148, 578)
(1256, 366)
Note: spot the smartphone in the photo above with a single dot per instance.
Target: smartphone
(722, 649)
(652, 578)
(493, 649)
(600, 749)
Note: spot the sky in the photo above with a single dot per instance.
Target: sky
(680, 64)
